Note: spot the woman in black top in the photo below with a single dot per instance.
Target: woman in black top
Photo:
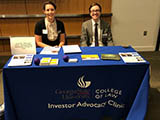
(49, 31)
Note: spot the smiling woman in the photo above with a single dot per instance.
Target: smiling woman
(49, 31)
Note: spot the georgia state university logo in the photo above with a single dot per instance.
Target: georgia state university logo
(83, 84)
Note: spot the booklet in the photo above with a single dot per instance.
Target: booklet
(50, 50)
(90, 57)
(71, 49)
(21, 60)
(110, 57)
(131, 57)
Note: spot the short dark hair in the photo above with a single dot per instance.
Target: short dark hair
(48, 2)
(95, 4)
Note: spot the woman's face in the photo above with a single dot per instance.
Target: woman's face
(49, 12)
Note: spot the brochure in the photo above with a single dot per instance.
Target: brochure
(71, 49)
(90, 57)
(110, 57)
(50, 50)
(21, 60)
(131, 57)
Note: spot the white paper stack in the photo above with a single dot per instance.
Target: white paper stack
(50, 50)
(71, 49)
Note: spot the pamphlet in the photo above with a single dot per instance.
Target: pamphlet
(45, 61)
(54, 62)
(21, 60)
(50, 50)
(71, 49)
(110, 57)
(131, 57)
(90, 57)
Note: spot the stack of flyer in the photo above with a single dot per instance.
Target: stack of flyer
(21, 60)
(54, 62)
(71, 49)
(50, 50)
(131, 57)
(46, 61)
(90, 57)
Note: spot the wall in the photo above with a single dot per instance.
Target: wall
(25, 26)
(131, 18)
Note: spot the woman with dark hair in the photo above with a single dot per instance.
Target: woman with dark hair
(49, 31)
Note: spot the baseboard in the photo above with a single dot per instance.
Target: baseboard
(144, 48)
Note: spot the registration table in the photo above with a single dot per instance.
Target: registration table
(84, 90)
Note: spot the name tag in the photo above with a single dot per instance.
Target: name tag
(44, 31)
(104, 35)
(59, 31)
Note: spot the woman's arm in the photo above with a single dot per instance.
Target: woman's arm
(62, 40)
(39, 42)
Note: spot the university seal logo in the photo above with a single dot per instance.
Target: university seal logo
(83, 84)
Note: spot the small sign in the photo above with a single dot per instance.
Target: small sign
(22, 45)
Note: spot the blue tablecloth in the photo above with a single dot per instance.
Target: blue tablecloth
(86, 90)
